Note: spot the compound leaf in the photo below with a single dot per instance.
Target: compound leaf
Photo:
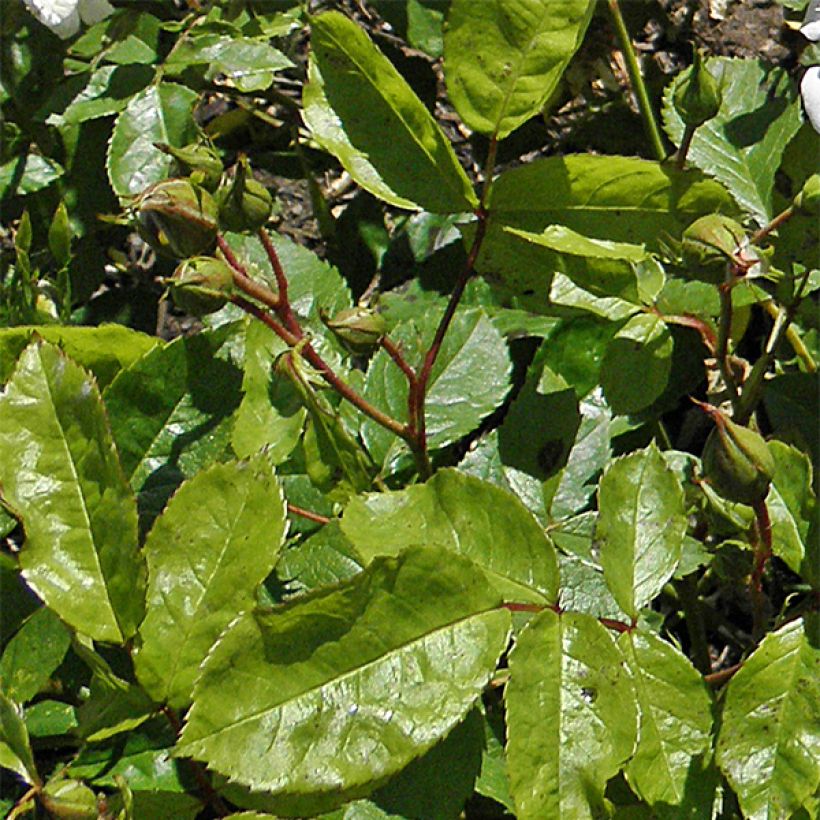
(641, 524)
(464, 514)
(571, 716)
(217, 540)
(60, 473)
(504, 58)
(324, 698)
(769, 741)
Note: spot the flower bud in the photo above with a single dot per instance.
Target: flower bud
(697, 96)
(808, 200)
(709, 243)
(201, 285)
(199, 160)
(177, 218)
(358, 328)
(244, 203)
(737, 461)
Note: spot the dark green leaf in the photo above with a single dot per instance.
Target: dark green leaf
(571, 716)
(50, 718)
(361, 109)
(370, 674)
(60, 472)
(217, 540)
(27, 174)
(464, 515)
(505, 58)
(15, 749)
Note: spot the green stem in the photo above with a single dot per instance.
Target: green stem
(724, 333)
(685, 144)
(763, 552)
(780, 219)
(695, 627)
(637, 83)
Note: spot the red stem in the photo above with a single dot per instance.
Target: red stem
(284, 310)
(243, 281)
(764, 546)
(309, 514)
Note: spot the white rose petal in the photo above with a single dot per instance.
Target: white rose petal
(810, 92)
(811, 22)
(63, 16)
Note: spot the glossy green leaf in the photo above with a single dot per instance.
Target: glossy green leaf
(217, 540)
(160, 114)
(675, 718)
(617, 199)
(468, 381)
(571, 716)
(769, 741)
(505, 58)
(564, 292)
(790, 504)
(368, 675)
(33, 653)
(103, 350)
(60, 472)
(27, 174)
(171, 414)
(368, 116)
(270, 414)
(464, 515)
(109, 90)
(50, 718)
(15, 749)
(641, 524)
(642, 346)
(743, 144)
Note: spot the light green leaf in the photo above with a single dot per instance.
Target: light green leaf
(161, 113)
(641, 524)
(743, 144)
(217, 540)
(368, 675)
(571, 716)
(270, 414)
(675, 718)
(104, 350)
(503, 59)
(27, 174)
(60, 472)
(171, 414)
(642, 346)
(790, 504)
(50, 718)
(469, 380)
(769, 741)
(618, 199)
(565, 293)
(465, 515)
(364, 104)
(33, 653)
(15, 749)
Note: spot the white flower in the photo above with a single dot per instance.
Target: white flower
(810, 92)
(63, 16)
(811, 22)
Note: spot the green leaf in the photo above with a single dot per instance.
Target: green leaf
(642, 346)
(675, 718)
(769, 741)
(15, 749)
(171, 414)
(743, 144)
(217, 540)
(617, 199)
(464, 515)
(503, 59)
(565, 293)
(50, 718)
(492, 781)
(108, 91)
(641, 524)
(28, 174)
(104, 350)
(361, 109)
(60, 235)
(369, 674)
(161, 113)
(790, 503)
(270, 414)
(33, 653)
(571, 716)
(60, 472)
(469, 380)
